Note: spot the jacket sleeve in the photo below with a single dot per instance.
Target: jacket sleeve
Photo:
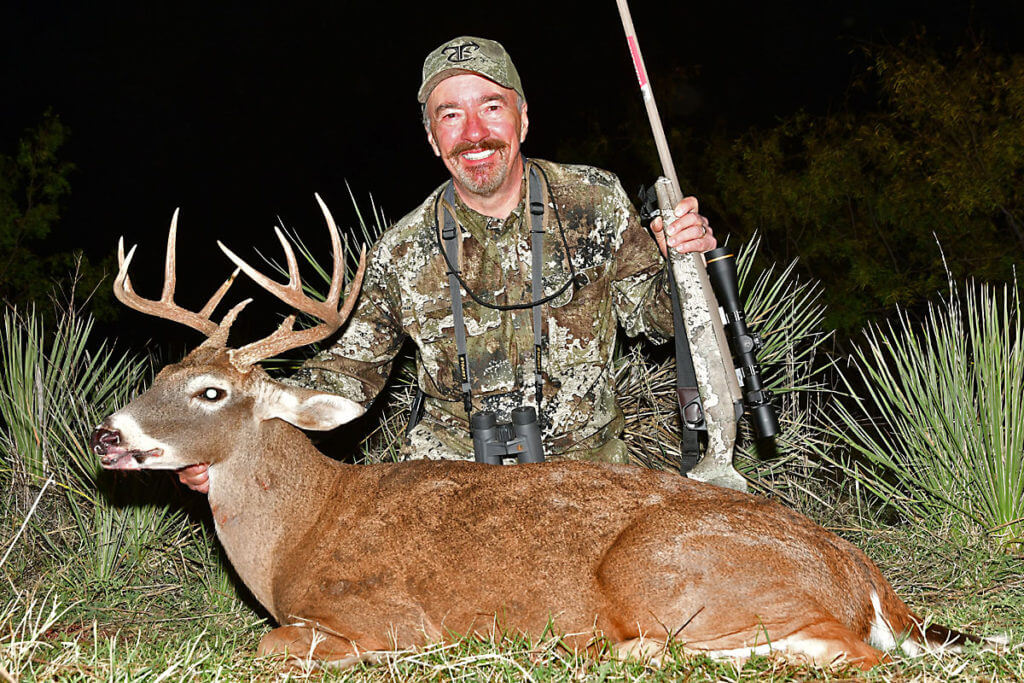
(639, 279)
(358, 364)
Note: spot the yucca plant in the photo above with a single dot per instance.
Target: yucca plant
(937, 418)
(54, 389)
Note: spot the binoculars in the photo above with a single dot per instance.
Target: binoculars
(494, 442)
(744, 344)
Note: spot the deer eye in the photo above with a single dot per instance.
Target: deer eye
(211, 394)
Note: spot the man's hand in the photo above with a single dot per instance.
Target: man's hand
(195, 477)
(689, 232)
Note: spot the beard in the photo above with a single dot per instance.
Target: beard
(483, 180)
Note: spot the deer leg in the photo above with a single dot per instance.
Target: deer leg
(647, 650)
(825, 643)
(829, 642)
(299, 643)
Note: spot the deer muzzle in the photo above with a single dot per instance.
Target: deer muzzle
(106, 443)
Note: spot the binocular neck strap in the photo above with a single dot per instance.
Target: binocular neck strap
(535, 203)
(452, 238)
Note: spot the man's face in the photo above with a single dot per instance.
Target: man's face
(476, 127)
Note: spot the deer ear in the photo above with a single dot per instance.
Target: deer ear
(306, 408)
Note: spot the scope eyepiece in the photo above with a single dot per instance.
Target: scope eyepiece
(763, 420)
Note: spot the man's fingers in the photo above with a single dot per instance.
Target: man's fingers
(689, 232)
(687, 205)
(195, 477)
(696, 237)
(689, 226)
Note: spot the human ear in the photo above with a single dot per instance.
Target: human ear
(433, 143)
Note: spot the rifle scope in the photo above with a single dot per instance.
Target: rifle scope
(721, 264)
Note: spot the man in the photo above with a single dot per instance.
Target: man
(598, 267)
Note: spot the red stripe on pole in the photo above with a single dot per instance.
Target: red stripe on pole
(634, 50)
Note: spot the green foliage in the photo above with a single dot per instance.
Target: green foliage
(51, 386)
(940, 417)
(53, 390)
(862, 196)
(33, 184)
(90, 546)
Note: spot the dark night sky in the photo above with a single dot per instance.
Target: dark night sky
(238, 112)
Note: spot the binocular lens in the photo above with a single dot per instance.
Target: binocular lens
(524, 415)
(485, 419)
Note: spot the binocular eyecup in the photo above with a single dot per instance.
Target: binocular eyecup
(744, 344)
(494, 442)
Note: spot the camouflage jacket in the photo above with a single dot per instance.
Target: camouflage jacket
(406, 294)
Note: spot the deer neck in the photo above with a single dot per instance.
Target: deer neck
(265, 496)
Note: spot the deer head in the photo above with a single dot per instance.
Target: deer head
(200, 409)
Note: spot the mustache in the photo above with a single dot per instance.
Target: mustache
(489, 143)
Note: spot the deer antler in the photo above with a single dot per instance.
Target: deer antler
(166, 308)
(284, 337)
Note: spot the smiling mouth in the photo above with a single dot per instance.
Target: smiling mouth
(477, 156)
(128, 460)
(477, 151)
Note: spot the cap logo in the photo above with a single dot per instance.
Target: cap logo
(460, 53)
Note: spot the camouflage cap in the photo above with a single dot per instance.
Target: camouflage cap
(469, 55)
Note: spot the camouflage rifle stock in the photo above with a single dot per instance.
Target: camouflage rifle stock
(716, 375)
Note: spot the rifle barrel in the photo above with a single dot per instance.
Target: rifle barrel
(660, 141)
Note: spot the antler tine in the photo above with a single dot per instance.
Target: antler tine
(122, 282)
(218, 295)
(285, 337)
(290, 293)
(219, 338)
(165, 307)
(170, 258)
(294, 278)
(336, 274)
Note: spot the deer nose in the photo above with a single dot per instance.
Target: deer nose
(102, 439)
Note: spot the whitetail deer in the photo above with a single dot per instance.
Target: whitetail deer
(376, 557)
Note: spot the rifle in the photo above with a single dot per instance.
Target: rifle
(717, 381)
